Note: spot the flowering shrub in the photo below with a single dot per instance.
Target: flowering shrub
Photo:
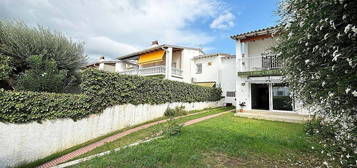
(318, 43)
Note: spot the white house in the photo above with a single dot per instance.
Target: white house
(184, 64)
(216, 70)
(259, 83)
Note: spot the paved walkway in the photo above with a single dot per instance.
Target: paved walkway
(92, 146)
(274, 116)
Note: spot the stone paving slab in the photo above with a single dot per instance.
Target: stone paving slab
(274, 116)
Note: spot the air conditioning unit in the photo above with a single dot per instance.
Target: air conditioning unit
(193, 80)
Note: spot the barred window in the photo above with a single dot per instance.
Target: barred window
(231, 94)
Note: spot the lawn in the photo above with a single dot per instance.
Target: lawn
(225, 141)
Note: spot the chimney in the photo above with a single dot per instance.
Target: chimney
(101, 58)
(154, 43)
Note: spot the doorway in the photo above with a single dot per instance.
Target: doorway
(260, 96)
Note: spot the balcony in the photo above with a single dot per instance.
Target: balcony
(260, 65)
(151, 71)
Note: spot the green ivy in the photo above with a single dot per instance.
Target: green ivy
(99, 91)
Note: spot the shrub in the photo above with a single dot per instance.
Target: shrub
(177, 111)
(43, 76)
(318, 43)
(20, 41)
(101, 90)
(113, 88)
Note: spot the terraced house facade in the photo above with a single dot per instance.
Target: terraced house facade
(259, 83)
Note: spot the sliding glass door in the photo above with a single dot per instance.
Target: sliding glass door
(281, 97)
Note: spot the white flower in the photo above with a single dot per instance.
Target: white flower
(325, 163)
(312, 147)
(347, 90)
(354, 93)
(326, 35)
(344, 17)
(354, 29)
(323, 84)
(348, 28)
(307, 61)
(335, 55)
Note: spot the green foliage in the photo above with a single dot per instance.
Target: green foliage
(5, 67)
(43, 76)
(19, 41)
(177, 111)
(112, 88)
(172, 128)
(318, 43)
(101, 90)
(21, 107)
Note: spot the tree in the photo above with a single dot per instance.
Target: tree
(318, 43)
(19, 42)
(42, 75)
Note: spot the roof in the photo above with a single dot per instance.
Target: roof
(264, 31)
(213, 55)
(97, 63)
(158, 47)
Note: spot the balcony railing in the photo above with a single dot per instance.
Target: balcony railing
(176, 72)
(260, 63)
(155, 70)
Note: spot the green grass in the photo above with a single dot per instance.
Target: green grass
(145, 133)
(129, 139)
(225, 141)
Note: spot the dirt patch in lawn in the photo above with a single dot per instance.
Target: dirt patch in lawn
(223, 160)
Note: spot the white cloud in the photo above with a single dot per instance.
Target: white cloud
(113, 28)
(224, 21)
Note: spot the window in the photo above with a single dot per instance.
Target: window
(231, 94)
(198, 68)
(209, 63)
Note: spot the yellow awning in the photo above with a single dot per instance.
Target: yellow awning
(206, 84)
(152, 57)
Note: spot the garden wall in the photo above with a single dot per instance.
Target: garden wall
(21, 143)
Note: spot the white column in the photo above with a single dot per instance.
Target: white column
(270, 97)
(101, 64)
(168, 63)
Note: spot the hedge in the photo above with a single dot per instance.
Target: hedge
(99, 91)
(113, 88)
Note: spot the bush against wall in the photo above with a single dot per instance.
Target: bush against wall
(101, 90)
(112, 88)
(318, 42)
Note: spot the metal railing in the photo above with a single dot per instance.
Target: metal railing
(260, 63)
(176, 71)
(155, 70)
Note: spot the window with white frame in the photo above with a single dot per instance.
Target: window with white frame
(198, 68)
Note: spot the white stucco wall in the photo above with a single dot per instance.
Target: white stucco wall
(188, 65)
(256, 48)
(210, 73)
(21, 143)
(228, 82)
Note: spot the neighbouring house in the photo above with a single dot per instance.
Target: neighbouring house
(184, 64)
(216, 70)
(259, 82)
(102, 65)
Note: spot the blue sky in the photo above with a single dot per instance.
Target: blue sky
(249, 15)
(112, 28)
